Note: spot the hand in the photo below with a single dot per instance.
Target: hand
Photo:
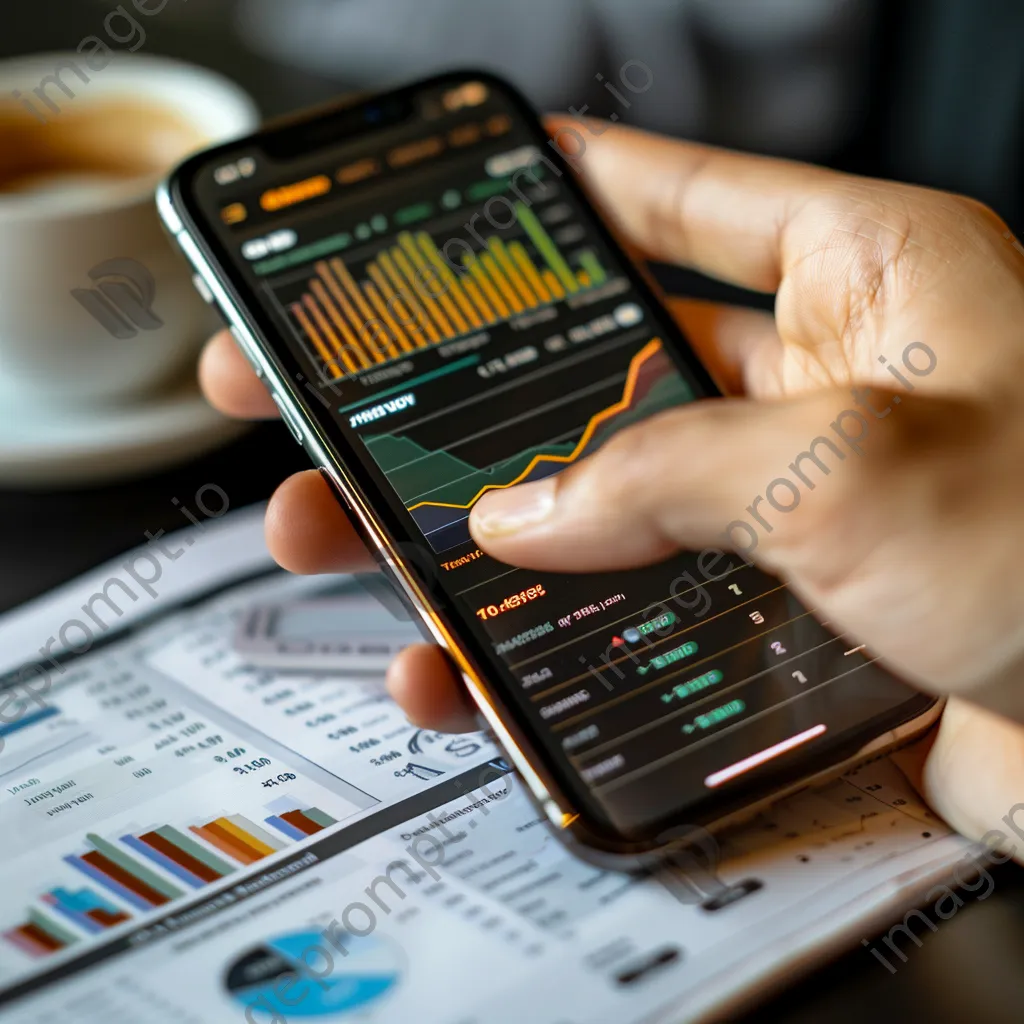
(906, 547)
(307, 532)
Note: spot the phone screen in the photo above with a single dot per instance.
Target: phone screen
(457, 320)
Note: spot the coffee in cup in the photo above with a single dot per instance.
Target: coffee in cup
(95, 305)
(98, 145)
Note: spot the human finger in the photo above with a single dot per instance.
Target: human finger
(426, 686)
(229, 383)
(734, 474)
(969, 771)
(740, 347)
(723, 213)
(308, 532)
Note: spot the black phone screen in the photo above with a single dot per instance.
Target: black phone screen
(456, 317)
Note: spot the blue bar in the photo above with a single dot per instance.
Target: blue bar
(165, 862)
(108, 883)
(26, 720)
(84, 900)
(75, 916)
(282, 826)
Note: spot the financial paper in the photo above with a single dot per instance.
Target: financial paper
(191, 839)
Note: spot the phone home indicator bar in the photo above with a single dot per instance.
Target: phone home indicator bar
(777, 749)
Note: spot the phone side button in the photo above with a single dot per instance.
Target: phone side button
(289, 418)
(247, 350)
(203, 288)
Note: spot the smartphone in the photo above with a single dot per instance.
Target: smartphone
(438, 311)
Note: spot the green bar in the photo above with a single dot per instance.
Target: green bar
(411, 214)
(315, 814)
(303, 254)
(491, 187)
(720, 714)
(676, 654)
(695, 685)
(589, 262)
(661, 622)
(133, 867)
(421, 379)
(214, 863)
(542, 240)
(53, 930)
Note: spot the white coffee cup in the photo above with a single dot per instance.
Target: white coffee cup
(95, 305)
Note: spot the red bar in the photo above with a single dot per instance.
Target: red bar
(35, 934)
(28, 946)
(105, 918)
(301, 822)
(128, 880)
(180, 857)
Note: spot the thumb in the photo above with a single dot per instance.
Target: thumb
(969, 771)
(766, 479)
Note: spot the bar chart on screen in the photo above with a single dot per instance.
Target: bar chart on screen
(417, 289)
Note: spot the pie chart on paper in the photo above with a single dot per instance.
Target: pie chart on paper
(356, 984)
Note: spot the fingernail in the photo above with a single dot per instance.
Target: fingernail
(501, 513)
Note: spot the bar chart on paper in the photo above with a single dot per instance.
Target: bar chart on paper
(145, 868)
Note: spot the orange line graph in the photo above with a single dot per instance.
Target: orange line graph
(635, 364)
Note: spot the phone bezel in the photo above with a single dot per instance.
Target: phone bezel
(390, 540)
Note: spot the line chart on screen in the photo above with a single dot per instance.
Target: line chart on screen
(440, 482)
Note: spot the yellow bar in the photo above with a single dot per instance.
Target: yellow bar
(522, 257)
(584, 278)
(406, 242)
(462, 299)
(325, 353)
(497, 247)
(245, 838)
(325, 328)
(378, 304)
(346, 308)
(338, 320)
(460, 325)
(385, 289)
(498, 278)
(481, 303)
(477, 270)
(554, 285)
(432, 308)
(351, 287)
(430, 251)
(410, 301)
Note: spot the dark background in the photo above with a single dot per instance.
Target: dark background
(934, 93)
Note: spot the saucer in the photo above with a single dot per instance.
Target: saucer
(48, 446)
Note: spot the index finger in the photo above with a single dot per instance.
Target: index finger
(230, 383)
(723, 213)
